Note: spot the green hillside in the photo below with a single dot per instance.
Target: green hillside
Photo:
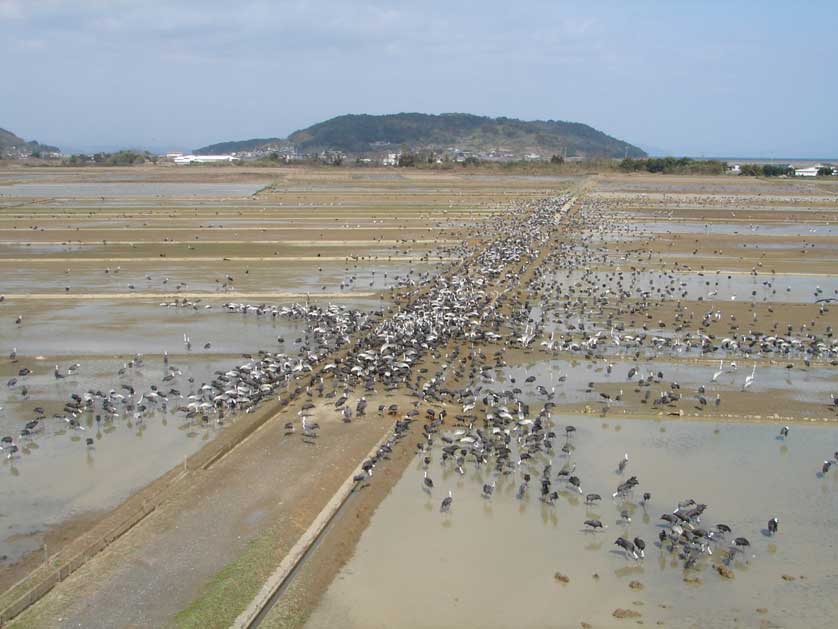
(12, 146)
(362, 133)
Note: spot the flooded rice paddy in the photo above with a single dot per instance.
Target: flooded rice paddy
(522, 556)
(100, 294)
(493, 562)
(588, 350)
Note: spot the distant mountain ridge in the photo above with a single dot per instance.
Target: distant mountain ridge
(13, 146)
(364, 133)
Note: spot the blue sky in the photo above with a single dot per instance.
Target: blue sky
(696, 78)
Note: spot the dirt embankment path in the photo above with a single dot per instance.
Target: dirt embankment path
(252, 504)
(302, 593)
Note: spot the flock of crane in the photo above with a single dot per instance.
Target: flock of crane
(433, 344)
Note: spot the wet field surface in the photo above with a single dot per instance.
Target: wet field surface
(111, 346)
(520, 557)
(684, 343)
(101, 304)
(492, 562)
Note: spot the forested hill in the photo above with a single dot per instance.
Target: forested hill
(363, 133)
(13, 146)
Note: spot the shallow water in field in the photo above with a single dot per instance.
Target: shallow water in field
(56, 475)
(568, 381)
(491, 562)
(74, 329)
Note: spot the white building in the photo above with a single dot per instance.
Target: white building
(734, 169)
(204, 159)
(809, 171)
(812, 171)
(392, 159)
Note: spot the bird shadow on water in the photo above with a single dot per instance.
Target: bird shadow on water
(626, 571)
(548, 516)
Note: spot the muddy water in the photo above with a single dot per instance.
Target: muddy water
(569, 380)
(79, 328)
(57, 476)
(491, 563)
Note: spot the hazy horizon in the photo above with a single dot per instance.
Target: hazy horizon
(708, 79)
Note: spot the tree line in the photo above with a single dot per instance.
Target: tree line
(765, 170)
(120, 158)
(674, 166)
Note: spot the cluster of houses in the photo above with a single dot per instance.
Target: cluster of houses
(331, 157)
(27, 152)
(287, 153)
(803, 171)
(812, 171)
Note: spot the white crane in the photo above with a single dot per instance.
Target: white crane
(749, 380)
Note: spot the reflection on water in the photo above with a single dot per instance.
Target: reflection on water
(492, 562)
